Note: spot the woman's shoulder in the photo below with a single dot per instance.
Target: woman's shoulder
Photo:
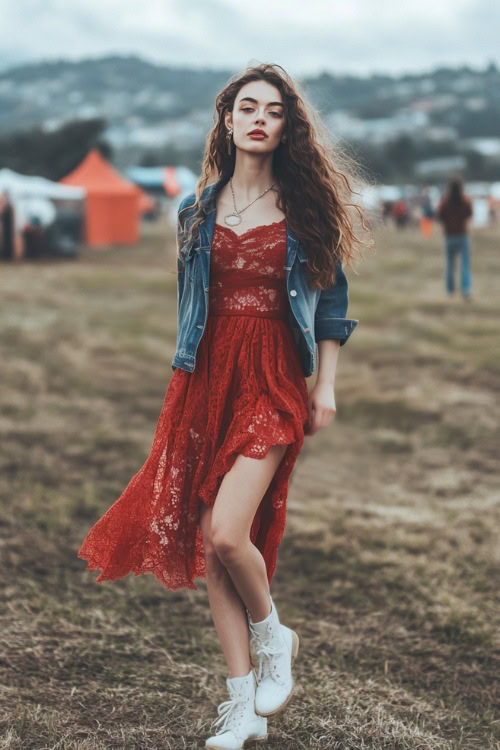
(207, 195)
(187, 202)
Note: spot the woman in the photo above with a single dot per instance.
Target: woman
(210, 501)
(454, 210)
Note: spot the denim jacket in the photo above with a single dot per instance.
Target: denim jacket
(314, 314)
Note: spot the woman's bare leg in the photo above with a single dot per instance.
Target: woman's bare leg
(237, 501)
(236, 571)
(225, 605)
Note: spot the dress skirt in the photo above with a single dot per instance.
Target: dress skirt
(246, 393)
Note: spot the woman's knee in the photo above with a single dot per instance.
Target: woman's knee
(212, 561)
(206, 529)
(227, 543)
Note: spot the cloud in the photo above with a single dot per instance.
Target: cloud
(357, 36)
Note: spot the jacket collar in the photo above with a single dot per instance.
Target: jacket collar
(207, 227)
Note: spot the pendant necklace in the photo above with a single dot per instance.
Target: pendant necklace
(233, 220)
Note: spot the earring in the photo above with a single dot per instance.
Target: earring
(283, 139)
(228, 138)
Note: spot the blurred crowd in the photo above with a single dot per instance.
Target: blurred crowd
(33, 234)
(61, 234)
(423, 210)
(454, 211)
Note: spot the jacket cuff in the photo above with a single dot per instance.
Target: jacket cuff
(334, 328)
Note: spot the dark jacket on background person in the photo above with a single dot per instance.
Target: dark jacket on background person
(454, 216)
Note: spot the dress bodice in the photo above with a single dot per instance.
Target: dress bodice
(247, 275)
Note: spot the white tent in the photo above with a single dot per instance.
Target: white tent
(28, 186)
(33, 196)
(495, 190)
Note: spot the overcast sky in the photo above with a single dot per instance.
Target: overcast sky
(304, 36)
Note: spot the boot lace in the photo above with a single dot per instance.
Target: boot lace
(230, 714)
(264, 652)
(265, 662)
(263, 666)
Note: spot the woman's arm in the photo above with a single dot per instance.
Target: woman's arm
(332, 329)
(322, 407)
(328, 357)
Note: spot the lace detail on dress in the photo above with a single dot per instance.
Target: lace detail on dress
(246, 394)
(259, 287)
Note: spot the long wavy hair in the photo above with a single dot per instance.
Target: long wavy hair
(314, 176)
(455, 191)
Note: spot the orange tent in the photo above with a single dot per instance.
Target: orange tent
(112, 202)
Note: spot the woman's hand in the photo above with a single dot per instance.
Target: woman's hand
(322, 408)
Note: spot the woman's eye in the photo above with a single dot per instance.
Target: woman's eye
(250, 109)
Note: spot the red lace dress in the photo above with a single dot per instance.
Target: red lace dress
(246, 393)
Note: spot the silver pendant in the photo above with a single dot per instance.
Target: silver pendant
(232, 220)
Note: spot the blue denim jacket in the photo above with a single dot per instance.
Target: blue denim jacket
(314, 314)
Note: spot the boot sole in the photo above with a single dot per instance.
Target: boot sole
(295, 650)
(245, 742)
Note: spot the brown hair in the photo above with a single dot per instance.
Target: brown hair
(455, 190)
(312, 174)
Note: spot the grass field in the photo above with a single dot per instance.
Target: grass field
(389, 568)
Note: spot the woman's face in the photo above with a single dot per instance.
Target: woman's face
(258, 104)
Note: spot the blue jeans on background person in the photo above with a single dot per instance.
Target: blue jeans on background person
(458, 244)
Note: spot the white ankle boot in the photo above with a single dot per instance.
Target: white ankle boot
(238, 717)
(273, 648)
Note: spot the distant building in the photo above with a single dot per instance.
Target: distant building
(439, 166)
(379, 129)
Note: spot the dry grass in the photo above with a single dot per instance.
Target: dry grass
(389, 567)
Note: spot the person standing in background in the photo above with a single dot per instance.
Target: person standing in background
(7, 226)
(454, 211)
(401, 213)
(427, 212)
